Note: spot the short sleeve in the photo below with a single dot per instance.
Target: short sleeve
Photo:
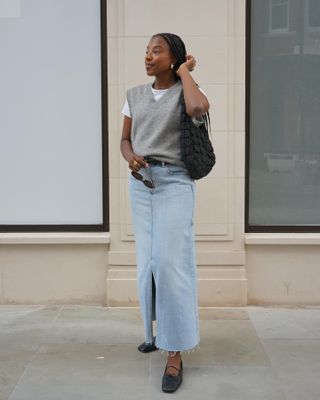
(126, 109)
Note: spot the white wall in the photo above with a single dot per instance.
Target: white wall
(283, 274)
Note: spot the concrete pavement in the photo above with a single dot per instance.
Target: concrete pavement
(90, 352)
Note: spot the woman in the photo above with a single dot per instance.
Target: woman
(162, 201)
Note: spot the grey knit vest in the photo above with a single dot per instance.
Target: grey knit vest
(155, 130)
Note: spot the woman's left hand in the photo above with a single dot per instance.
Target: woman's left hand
(189, 64)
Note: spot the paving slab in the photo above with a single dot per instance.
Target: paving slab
(297, 365)
(229, 342)
(221, 382)
(10, 314)
(84, 371)
(21, 331)
(274, 323)
(12, 367)
(91, 324)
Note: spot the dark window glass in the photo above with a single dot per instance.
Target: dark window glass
(279, 14)
(314, 13)
(284, 123)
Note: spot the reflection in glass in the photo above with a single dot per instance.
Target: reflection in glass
(284, 178)
(279, 14)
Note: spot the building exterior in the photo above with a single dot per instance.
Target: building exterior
(252, 248)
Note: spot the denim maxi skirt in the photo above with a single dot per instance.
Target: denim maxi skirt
(165, 247)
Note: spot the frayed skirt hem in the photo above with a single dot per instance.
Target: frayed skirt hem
(186, 351)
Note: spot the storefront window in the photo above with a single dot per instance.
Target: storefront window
(53, 124)
(283, 118)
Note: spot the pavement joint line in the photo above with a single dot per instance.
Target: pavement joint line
(35, 353)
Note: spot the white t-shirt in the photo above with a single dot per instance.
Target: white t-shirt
(158, 93)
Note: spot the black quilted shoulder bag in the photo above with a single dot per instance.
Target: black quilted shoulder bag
(196, 148)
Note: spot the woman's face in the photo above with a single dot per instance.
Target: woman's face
(158, 58)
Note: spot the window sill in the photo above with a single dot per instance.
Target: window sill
(55, 238)
(282, 238)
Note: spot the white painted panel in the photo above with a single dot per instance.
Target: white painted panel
(50, 113)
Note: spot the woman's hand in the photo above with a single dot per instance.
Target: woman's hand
(189, 64)
(136, 162)
(196, 102)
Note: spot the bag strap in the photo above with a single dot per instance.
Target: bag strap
(206, 116)
(182, 102)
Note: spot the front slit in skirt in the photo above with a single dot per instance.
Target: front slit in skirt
(166, 267)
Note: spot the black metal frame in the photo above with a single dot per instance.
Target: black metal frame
(248, 227)
(105, 174)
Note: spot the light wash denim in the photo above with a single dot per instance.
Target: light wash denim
(165, 248)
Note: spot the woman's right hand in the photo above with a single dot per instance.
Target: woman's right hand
(136, 162)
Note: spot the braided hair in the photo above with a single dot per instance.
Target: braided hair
(177, 48)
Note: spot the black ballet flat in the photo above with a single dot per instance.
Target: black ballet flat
(170, 383)
(148, 347)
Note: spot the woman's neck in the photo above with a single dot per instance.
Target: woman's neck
(163, 83)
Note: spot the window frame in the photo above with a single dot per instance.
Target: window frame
(104, 226)
(306, 21)
(248, 227)
(279, 30)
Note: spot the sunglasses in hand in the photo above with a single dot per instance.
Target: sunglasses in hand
(147, 182)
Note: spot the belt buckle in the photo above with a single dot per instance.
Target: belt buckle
(154, 161)
(148, 159)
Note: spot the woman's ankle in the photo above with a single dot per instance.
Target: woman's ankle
(173, 354)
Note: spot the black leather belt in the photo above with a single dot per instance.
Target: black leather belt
(154, 161)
